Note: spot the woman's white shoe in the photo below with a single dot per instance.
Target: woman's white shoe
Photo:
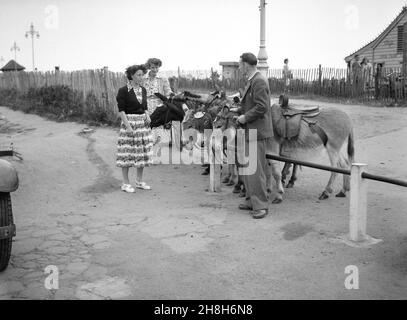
(142, 185)
(128, 188)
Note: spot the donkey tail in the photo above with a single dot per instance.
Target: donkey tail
(351, 146)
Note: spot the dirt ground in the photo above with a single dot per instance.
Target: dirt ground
(178, 241)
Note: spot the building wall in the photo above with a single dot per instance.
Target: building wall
(229, 72)
(386, 51)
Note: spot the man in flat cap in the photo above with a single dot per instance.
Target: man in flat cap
(256, 117)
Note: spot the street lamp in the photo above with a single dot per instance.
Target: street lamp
(32, 32)
(262, 56)
(15, 49)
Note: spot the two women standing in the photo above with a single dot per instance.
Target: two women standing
(136, 102)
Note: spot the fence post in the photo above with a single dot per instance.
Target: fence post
(106, 82)
(320, 78)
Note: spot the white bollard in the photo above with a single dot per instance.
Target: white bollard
(358, 209)
(358, 203)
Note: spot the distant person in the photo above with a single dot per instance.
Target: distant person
(378, 80)
(287, 75)
(369, 73)
(134, 146)
(357, 73)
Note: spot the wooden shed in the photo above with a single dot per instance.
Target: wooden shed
(387, 48)
(230, 70)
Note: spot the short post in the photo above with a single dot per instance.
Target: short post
(215, 159)
(358, 203)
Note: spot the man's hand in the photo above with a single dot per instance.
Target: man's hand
(241, 119)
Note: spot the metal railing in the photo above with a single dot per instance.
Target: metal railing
(358, 194)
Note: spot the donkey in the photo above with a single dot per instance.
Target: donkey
(203, 110)
(306, 131)
(312, 130)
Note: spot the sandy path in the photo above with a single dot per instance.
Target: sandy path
(180, 242)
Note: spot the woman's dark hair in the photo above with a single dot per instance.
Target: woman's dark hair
(153, 62)
(130, 71)
(285, 60)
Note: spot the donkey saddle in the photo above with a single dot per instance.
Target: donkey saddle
(287, 119)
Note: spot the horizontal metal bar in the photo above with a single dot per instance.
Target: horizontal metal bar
(365, 175)
(4, 153)
(397, 182)
(8, 232)
(309, 164)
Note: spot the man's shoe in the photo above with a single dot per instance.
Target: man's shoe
(259, 214)
(244, 206)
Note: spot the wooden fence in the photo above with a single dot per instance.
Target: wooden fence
(389, 85)
(330, 82)
(103, 83)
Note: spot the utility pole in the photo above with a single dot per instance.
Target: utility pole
(262, 56)
(15, 49)
(32, 32)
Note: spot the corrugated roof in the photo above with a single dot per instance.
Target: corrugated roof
(12, 66)
(383, 33)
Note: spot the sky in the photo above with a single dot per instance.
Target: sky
(190, 34)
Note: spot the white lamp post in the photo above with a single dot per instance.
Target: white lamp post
(32, 33)
(262, 56)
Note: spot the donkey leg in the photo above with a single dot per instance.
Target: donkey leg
(276, 173)
(293, 177)
(273, 147)
(239, 184)
(232, 172)
(344, 163)
(285, 172)
(334, 158)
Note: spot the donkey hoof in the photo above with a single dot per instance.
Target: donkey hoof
(236, 190)
(230, 183)
(341, 194)
(226, 180)
(242, 194)
(323, 196)
(290, 185)
(277, 201)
